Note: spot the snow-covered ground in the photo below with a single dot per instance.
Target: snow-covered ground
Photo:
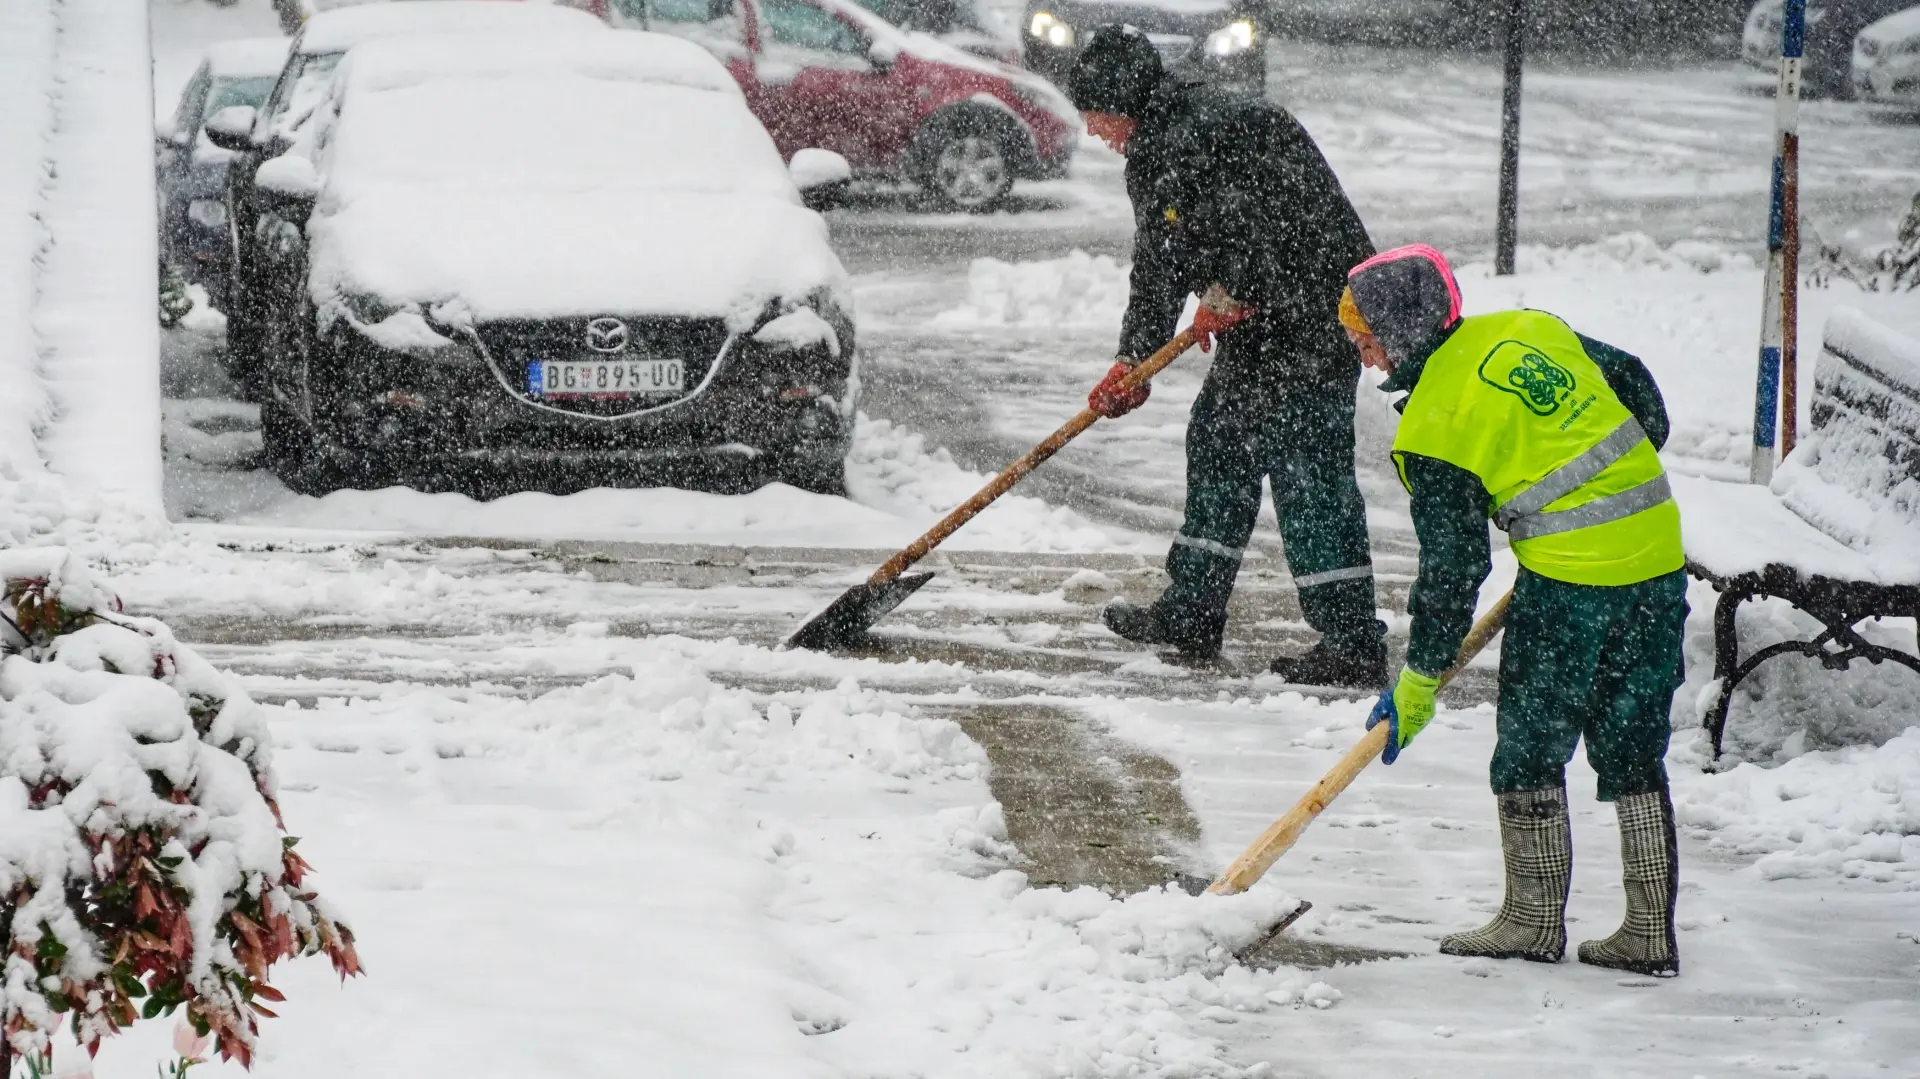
(587, 821)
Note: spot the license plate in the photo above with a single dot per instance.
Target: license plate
(604, 378)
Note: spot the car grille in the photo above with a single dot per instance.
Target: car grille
(513, 346)
(1868, 47)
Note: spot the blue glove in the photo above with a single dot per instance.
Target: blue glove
(1407, 708)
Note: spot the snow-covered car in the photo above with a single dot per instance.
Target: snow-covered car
(897, 104)
(192, 172)
(1832, 26)
(256, 134)
(1219, 41)
(547, 264)
(1886, 60)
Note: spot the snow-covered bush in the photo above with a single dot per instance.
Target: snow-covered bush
(143, 862)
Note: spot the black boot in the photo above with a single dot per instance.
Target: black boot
(1155, 625)
(1359, 663)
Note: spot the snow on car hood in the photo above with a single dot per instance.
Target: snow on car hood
(555, 194)
(509, 255)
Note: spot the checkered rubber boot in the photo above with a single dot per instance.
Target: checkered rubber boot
(1650, 869)
(1537, 845)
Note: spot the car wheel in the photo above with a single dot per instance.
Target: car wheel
(287, 434)
(967, 165)
(242, 359)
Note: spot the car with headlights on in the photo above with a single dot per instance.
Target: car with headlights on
(1832, 25)
(192, 172)
(254, 135)
(1219, 41)
(1886, 60)
(500, 264)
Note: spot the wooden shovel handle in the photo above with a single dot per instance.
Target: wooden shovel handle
(915, 551)
(1283, 833)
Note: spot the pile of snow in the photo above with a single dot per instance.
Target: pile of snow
(898, 489)
(823, 869)
(1075, 291)
(892, 467)
(1852, 811)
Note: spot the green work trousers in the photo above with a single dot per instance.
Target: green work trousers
(1248, 427)
(1586, 661)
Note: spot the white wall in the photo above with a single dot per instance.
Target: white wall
(79, 343)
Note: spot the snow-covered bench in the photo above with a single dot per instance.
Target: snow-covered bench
(1838, 533)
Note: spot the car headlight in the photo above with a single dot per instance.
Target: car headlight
(1908, 47)
(1235, 37)
(209, 213)
(1049, 28)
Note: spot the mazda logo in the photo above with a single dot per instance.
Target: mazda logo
(607, 335)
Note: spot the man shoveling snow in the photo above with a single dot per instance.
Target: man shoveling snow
(1515, 417)
(1233, 201)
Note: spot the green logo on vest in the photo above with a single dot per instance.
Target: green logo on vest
(1520, 369)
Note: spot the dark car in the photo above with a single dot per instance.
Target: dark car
(1831, 27)
(192, 172)
(256, 135)
(470, 279)
(1220, 41)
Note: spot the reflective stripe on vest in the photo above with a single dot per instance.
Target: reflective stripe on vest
(1521, 516)
(1611, 507)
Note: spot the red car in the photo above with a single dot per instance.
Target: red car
(897, 104)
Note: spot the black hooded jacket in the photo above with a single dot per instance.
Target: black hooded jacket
(1234, 191)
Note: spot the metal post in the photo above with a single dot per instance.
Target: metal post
(1507, 230)
(1779, 307)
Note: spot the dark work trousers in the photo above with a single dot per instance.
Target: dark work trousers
(1589, 662)
(1251, 424)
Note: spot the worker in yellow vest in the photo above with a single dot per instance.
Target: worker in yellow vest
(1515, 418)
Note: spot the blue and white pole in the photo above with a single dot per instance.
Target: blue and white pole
(1775, 398)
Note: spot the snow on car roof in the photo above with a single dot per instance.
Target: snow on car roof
(632, 56)
(552, 132)
(624, 174)
(1898, 27)
(341, 29)
(247, 57)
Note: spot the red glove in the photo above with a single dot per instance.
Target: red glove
(1112, 400)
(1209, 323)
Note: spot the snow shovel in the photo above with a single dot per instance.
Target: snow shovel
(1283, 833)
(847, 619)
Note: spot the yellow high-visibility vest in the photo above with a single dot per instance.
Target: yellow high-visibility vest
(1514, 399)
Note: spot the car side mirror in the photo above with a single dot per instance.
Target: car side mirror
(232, 128)
(822, 177)
(167, 134)
(290, 186)
(882, 55)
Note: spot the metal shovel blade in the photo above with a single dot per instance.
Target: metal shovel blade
(847, 619)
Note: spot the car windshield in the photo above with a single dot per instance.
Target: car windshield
(553, 133)
(312, 75)
(227, 92)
